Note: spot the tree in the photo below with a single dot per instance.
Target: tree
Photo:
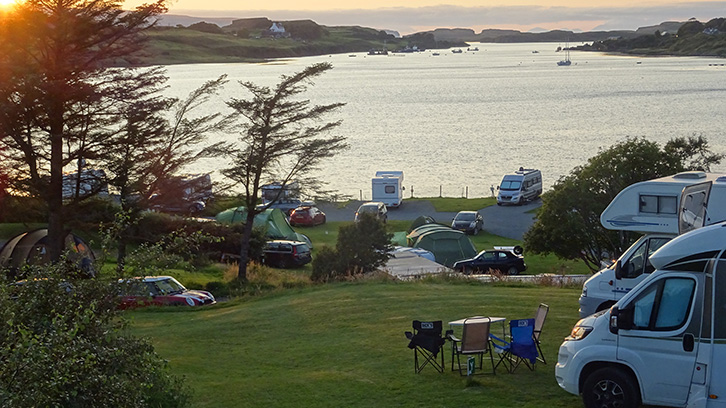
(281, 137)
(59, 98)
(568, 224)
(63, 343)
(361, 248)
(149, 149)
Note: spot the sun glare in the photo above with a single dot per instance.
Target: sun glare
(6, 4)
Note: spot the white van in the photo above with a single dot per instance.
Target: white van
(664, 342)
(387, 187)
(521, 186)
(650, 207)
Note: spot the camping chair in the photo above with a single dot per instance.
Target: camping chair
(539, 319)
(426, 340)
(522, 347)
(474, 341)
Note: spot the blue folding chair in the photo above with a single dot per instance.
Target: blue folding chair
(522, 347)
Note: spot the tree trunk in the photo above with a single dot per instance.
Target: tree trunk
(56, 235)
(245, 247)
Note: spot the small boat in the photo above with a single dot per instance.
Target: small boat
(535, 52)
(565, 62)
(435, 54)
(473, 49)
(457, 51)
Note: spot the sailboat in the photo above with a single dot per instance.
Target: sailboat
(565, 62)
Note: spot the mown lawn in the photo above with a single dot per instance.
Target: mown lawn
(343, 345)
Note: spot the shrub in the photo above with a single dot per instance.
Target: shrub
(63, 343)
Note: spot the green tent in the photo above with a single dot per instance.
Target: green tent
(273, 220)
(416, 233)
(447, 245)
(421, 220)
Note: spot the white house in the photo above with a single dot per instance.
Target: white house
(277, 28)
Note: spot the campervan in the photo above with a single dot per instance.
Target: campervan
(388, 188)
(651, 208)
(664, 342)
(521, 186)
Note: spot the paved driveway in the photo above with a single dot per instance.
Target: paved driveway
(505, 221)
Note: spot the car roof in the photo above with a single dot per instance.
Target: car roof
(468, 212)
(147, 278)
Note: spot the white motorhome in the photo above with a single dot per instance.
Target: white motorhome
(388, 188)
(521, 186)
(649, 207)
(664, 342)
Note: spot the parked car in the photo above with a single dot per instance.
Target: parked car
(470, 222)
(509, 261)
(307, 216)
(376, 208)
(286, 254)
(287, 206)
(160, 291)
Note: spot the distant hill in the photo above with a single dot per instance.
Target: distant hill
(691, 38)
(253, 39)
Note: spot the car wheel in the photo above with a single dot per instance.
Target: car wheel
(513, 270)
(609, 388)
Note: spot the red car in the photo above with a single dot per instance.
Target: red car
(307, 216)
(160, 291)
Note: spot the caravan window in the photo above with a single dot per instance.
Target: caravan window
(654, 204)
(390, 189)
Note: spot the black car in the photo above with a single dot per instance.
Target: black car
(286, 254)
(470, 222)
(510, 262)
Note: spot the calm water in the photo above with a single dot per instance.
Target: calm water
(458, 121)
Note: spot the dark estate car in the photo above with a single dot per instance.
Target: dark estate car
(161, 291)
(307, 216)
(505, 261)
(468, 221)
(286, 254)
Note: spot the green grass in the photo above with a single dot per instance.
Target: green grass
(343, 345)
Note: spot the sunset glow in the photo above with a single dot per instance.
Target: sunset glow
(6, 4)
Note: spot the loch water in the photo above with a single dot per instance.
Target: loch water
(456, 122)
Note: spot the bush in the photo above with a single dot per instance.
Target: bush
(63, 343)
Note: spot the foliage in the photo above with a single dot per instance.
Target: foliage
(58, 98)
(362, 248)
(281, 138)
(63, 343)
(568, 224)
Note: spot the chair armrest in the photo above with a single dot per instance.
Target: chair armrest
(409, 335)
(494, 339)
(453, 338)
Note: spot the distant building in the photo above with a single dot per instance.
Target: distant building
(711, 31)
(277, 28)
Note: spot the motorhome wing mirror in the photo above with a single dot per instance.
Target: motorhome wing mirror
(618, 270)
(614, 314)
(625, 318)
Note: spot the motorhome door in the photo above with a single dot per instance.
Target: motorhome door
(662, 341)
(692, 210)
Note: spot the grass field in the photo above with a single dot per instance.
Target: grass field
(343, 345)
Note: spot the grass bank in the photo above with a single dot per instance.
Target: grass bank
(343, 345)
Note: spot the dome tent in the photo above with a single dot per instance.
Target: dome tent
(273, 220)
(447, 245)
(31, 248)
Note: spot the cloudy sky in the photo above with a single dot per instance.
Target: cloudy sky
(408, 16)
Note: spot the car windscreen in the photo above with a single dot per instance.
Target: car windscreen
(465, 217)
(167, 286)
(368, 209)
(510, 185)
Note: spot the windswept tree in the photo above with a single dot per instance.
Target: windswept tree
(568, 224)
(281, 137)
(59, 95)
(150, 148)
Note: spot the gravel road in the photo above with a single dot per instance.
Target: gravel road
(506, 221)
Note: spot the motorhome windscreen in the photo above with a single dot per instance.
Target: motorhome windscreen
(510, 185)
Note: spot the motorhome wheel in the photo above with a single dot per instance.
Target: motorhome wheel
(608, 388)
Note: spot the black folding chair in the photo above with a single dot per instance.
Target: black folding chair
(427, 343)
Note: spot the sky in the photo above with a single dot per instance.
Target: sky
(408, 16)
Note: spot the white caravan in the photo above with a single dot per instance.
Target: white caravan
(521, 186)
(388, 188)
(664, 342)
(650, 207)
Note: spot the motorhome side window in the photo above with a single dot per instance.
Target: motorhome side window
(654, 204)
(390, 189)
(664, 305)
